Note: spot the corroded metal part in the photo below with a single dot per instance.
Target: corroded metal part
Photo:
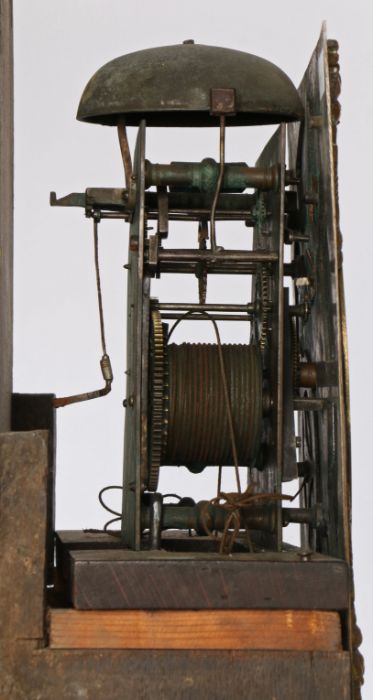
(198, 433)
(156, 397)
(255, 517)
(325, 434)
(203, 176)
(269, 238)
(135, 445)
(171, 86)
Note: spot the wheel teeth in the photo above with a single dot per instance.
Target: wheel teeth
(264, 284)
(157, 428)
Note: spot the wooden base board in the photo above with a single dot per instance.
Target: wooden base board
(296, 630)
(119, 579)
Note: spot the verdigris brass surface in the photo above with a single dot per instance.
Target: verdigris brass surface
(171, 85)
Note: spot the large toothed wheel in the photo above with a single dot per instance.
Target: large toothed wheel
(156, 398)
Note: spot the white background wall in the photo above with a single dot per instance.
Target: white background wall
(58, 46)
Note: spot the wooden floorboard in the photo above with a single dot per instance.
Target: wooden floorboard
(298, 630)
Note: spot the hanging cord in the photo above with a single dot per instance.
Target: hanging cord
(105, 363)
(98, 285)
(110, 510)
(110, 522)
(219, 182)
(171, 495)
(225, 387)
(233, 503)
(116, 513)
(102, 502)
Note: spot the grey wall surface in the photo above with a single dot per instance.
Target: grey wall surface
(58, 46)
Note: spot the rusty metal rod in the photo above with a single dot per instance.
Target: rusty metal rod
(208, 256)
(198, 214)
(125, 151)
(249, 308)
(255, 517)
(191, 268)
(182, 215)
(214, 317)
(218, 183)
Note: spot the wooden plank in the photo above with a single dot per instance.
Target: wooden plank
(173, 541)
(36, 412)
(88, 539)
(206, 629)
(42, 674)
(23, 516)
(123, 579)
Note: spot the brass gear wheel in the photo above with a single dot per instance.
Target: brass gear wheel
(156, 398)
(265, 308)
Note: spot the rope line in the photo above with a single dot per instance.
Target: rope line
(96, 220)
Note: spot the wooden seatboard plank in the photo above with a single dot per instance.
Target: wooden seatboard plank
(301, 630)
(123, 580)
(68, 540)
(183, 543)
(88, 538)
(163, 555)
